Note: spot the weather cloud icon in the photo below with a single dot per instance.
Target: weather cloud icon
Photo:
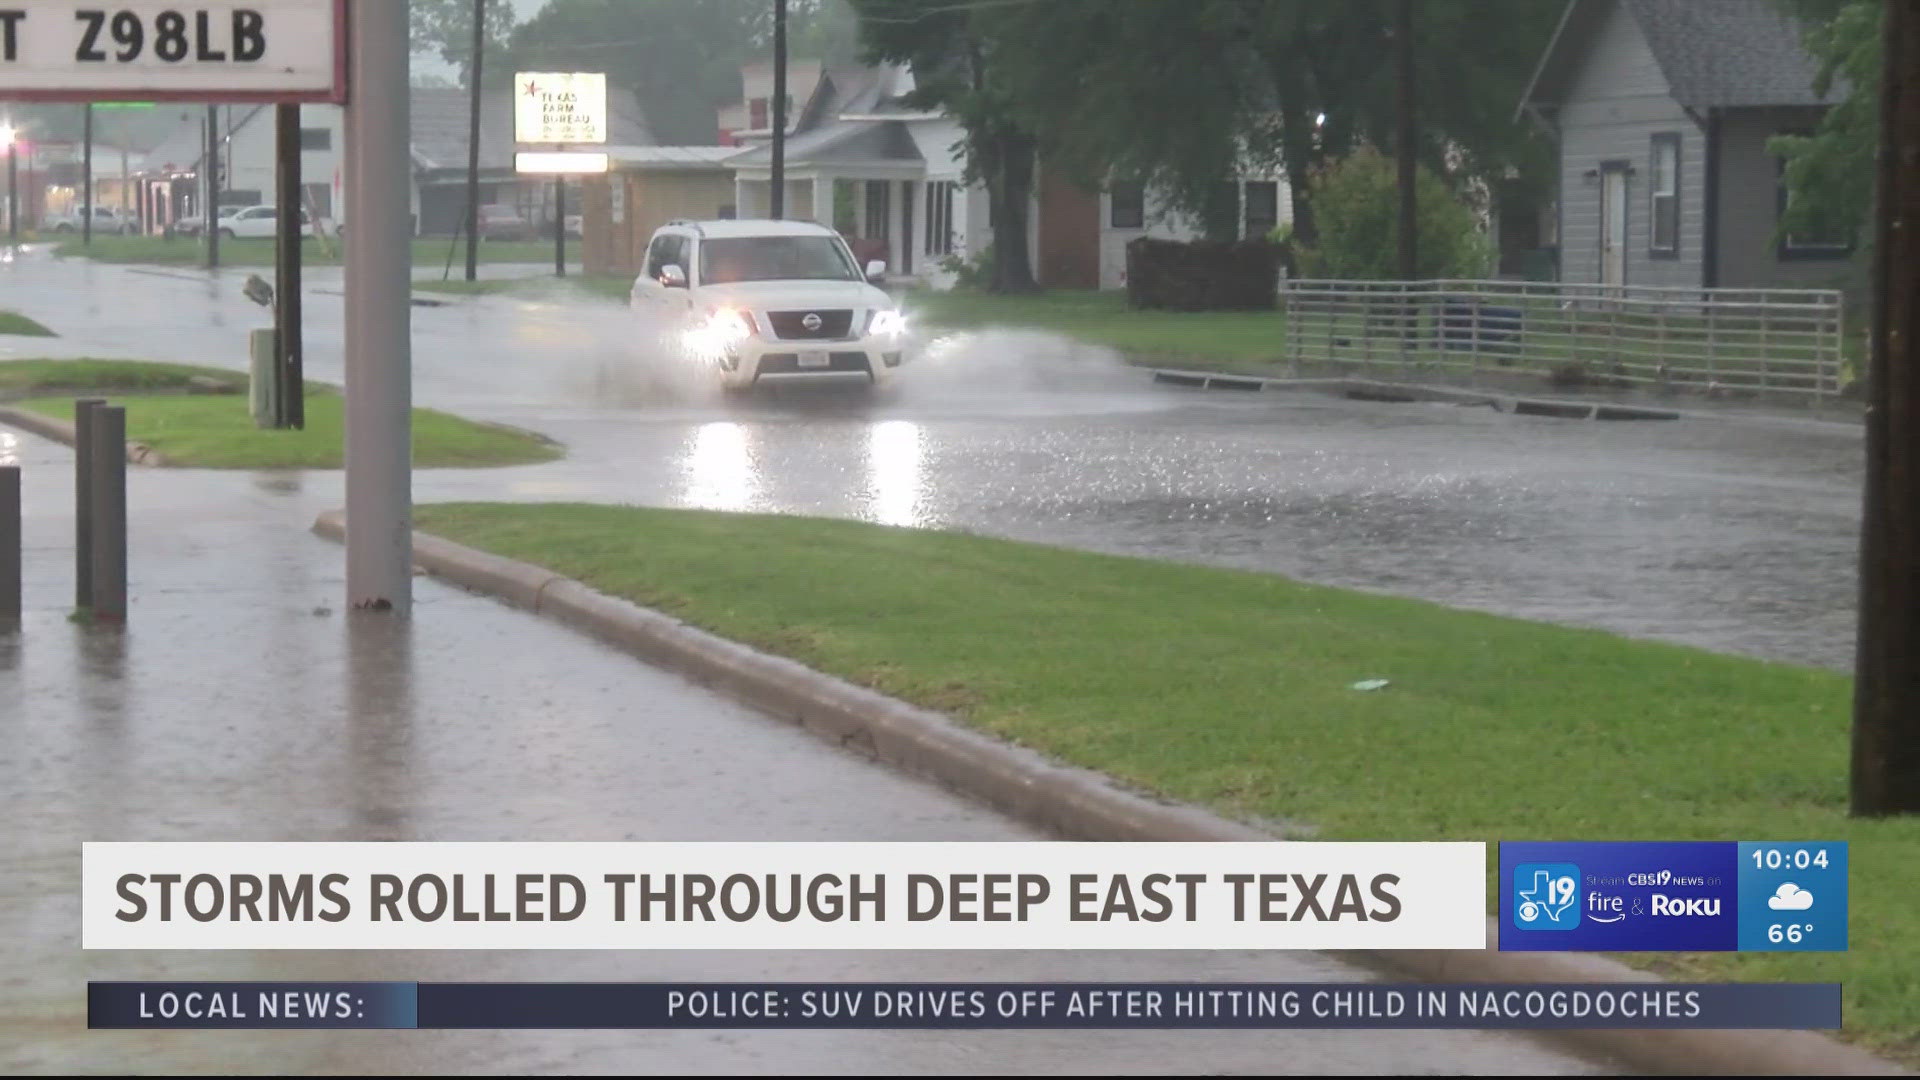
(1790, 897)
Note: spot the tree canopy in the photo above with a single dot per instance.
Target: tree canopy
(1830, 173)
(444, 28)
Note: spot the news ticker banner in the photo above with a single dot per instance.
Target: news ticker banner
(1673, 897)
(1016, 895)
(1580, 896)
(977, 1006)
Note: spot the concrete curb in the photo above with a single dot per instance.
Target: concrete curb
(62, 431)
(1077, 803)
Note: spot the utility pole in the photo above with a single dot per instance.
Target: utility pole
(13, 182)
(473, 140)
(289, 404)
(86, 174)
(1886, 709)
(777, 206)
(210, 165)
(1409, 162)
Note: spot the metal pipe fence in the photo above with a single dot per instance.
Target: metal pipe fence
(1764, 341)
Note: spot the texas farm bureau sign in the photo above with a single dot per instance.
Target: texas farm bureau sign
(161, 50)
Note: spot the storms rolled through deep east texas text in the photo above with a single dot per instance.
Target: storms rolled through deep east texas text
(971, 897)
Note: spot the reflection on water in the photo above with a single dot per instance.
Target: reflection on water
(896, 458)
(719, 468)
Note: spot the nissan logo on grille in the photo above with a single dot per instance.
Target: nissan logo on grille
(811, 321)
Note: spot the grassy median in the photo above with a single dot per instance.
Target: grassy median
(1234, 690)
(12, 322)
(214, 429)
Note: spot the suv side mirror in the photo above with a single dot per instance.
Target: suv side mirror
(673, 276)
(876, 270)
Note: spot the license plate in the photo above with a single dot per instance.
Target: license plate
(813, 359)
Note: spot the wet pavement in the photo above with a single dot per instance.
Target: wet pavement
(240, 704)
(1736, 535)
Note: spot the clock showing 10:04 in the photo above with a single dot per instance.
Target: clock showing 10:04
(1793, 897)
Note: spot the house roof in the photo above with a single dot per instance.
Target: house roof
(1722, 54)
(671, 158)
(440, 119)
(841, 142)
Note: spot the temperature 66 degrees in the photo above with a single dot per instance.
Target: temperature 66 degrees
(1799, 859)
(123, 36)
(1788, 932)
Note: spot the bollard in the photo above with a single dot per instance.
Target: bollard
(9, 543)
(83, 499)
(263, 368)
(109, 462)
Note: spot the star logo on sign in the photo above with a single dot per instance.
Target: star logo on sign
(533, 88)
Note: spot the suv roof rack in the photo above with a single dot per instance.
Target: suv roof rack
(689, 223)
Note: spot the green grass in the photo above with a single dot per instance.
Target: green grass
(216, 432)
(12, 322)
(595, 286)
(184, 251)
(26, 378)
(1232, 689)
(1247, 340)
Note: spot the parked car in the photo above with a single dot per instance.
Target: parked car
(258, 223)
(105, 220)
(195, 224)
(770, 301)
(502, 222)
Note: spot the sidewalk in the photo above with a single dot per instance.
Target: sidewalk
(240, 703)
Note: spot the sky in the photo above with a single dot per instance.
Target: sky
(522, 11)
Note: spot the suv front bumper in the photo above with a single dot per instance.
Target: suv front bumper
(873, 359)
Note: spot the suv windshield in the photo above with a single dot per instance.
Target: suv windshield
(775, 258)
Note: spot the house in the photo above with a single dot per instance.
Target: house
(892, 179)
(1663, 110)
(644, 188)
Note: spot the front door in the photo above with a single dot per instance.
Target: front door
(1613, 225)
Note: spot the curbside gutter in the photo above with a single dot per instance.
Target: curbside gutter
(62, 431)
(1077, 803)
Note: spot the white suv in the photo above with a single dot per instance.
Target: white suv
(770, 301)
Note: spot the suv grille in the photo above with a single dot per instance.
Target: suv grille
(790, 325)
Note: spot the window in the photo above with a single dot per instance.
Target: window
(1664, 190)
(1262, 213)
(660, 254)
(940, 217)
(1824, 238)
(1128, 206)
(757, 115)
(316, 138)
(1221, 218)
(775, 258)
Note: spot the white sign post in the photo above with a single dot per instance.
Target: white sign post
(164, 50)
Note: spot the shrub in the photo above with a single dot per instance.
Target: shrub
(1203, 275)
(1356, 207)
(970, 273)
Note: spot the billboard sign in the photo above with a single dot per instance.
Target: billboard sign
(560, 107)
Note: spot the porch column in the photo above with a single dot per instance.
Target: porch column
(823, 199)
(743, 198)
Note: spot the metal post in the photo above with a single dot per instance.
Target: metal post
(86, 175)
(473, 141)
(379, 388)
(9, 543)
(13, 189)
(289, 408)
(210, 168)
(778, 174)
(83, 415)
(559, 226)
(109, 463)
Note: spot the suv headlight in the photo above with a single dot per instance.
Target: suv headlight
(720, 331)
(886, 322)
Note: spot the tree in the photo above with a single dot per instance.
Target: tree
(954, 51)
(1830, 173)
(444, 28)
(1180, 95)
(681, 59)
(1359, 224)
